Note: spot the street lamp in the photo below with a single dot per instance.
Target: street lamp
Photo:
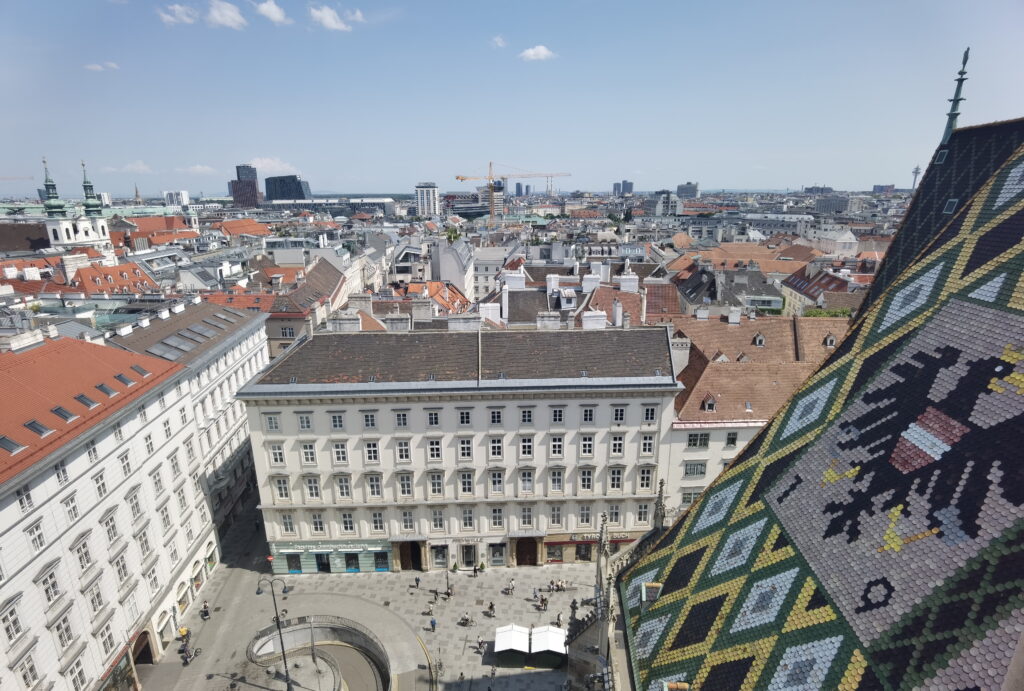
(277, 619)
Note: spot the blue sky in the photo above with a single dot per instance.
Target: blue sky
(375, 96)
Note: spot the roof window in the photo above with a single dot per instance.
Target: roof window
(107, 390)
(708, 405)
(86, 401)
(940, 157)
(830, 341)
(9, 445)
(139, 369)
(759, 340)
(63, 413)
(950, 206)
(38, 427)
(124, 380)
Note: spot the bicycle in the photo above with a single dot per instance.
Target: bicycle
(190, 655)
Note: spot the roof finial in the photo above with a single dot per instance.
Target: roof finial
(46, 168)
(954, 110)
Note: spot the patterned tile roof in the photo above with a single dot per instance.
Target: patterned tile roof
(872, 535)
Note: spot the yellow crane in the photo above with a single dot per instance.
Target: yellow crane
(491, 177)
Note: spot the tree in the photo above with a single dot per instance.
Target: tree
(452, 234)
(614, 217)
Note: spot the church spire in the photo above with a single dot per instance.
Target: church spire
(954, 109)
(93, 206)
(53, 205)
(138, 197)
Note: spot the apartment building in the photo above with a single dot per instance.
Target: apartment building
(106, 538)
(220, 348)
(384, 451)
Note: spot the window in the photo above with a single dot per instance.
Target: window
(281, 485)
(495, 447)
(649, 413)
(167, 429)
(497, 517)
(377, 522)
(312, 488)
(84, 556)
(110, 527)
(643, 513)
(731, 438)
(466, 449)
(107, 639)
(316, 523)
(434, 450)
(615, 478)
(950, 206)
(465, 417)
(60, 470)
(587, 445)
(405, 485)
(369, 420)
(126, 464)
(287, 332)
(305, 421)
(436, 519)
(35, 537)
(556, 480)
(526, 447)
(86, 401)
(28, 675)
(495, 417)
(467, 519)
(118, 432)
(12, 625)
(557, 416)
(71, 508)
(158, 482)
(708, 405)
(695, 469)
(175, 466)
(557, 444)
(586, 479)
(276, 454)
(372, 452)
(92, 451)
(435, 483)
(143, 415)
(556, 514)
(64, 414)
(618, 444)
(407, 520)
(588, 415)
(96, 598)
(165, 518)
(698, 440)
(190, 449)
(373, 482)
(646, 478)
(309, 453)
(182, 500)
(183, 416)
(25, 499)
(143, 539)
(340, 452)
(526, 481)
(466, 483)
(272, 423)
(402, 450)
(287, 524)
(526, 416)
(401, 419)
(584, 515)
(647, 445)
(134, 505)
(50, 586)
(618, 414)
(690, 494)
(433, 418)
(613, 513)
(526, 517)
(940, 157)
(153, 578)
(497, 481)
(337, 421)
(347, 524)
(344, 487)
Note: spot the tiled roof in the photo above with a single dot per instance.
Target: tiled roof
(734, 385)
(262, 302)
(242, 226)
(422, 356)
(662, 301)
(168, 238)
(23, 237)
(37, 380)
(784, 339)
(850, 301)
(147, 225)
(603, 298)
(123, 278)
(871, 536)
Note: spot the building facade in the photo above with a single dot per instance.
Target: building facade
(428, 201)
(375, 453)
(287, 187)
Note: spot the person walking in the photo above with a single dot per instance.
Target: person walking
(534, 594)
(417, 583)
(558, 620)
(479, 644)
(474, 570)
(490, 608)
(433, 625)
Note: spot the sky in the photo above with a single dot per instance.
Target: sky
(376, 96)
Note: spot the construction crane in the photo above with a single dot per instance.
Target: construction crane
(491, 177)
(6, 178)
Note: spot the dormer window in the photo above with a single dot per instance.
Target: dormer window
(759, 340)
(107, 390)
(124, 380)
(9, 445)
(830, 341)
(38, 427)
(86, 401)
(708, 404)
(140, 370)
(64, 414)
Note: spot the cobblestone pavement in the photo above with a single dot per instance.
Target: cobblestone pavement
(388, 604)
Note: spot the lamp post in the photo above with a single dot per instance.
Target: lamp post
(277, 619)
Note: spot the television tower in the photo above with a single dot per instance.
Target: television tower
(916, 171)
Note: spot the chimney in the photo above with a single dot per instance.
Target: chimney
(734, 316)
(616, 313)
(490, 310)
(552, 280)
(606, 273)
(515, 280)
(124, 329)
(625, 320)
(465, 322)
(361, 301)
(703, 312)
(178, 308)
(422, 309)
(680, 351)
(590, 282)
(595, 268)
(143, 322)
(196, 299)
(164, 314)
(594, 319)
(549, 321)
(346, 322)
(398, 322)
(629, 282)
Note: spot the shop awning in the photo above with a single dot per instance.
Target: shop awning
(512, 637)
(548, 639)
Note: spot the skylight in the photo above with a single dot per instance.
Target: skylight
(124, 380)
(107, 390)
(63, 413)
(86, 401)
(140, 370)
(9, 445)
(38, 427)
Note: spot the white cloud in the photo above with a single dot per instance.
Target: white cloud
(328, 18)
(225, 14)
(198, 169)
(178, 14)
(132, 167)
(271, 165)
(355, 16)
(537, 53)
(498, 42)
(94, 67)
(272, 11)
(111, 65)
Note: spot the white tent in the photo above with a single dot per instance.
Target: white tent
(512, 637)
(548, 639)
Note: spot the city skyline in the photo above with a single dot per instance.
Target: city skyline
(741, 97)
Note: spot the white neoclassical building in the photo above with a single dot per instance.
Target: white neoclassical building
(420, 450)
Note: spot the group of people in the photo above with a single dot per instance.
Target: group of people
(556, 586)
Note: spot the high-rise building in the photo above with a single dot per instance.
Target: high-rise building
(617, 189)
(176, 198)
(627, 187)
(519, 189)
(245, 188)
(529, 189)
(428, 202)
(691, 190)
(287, 187)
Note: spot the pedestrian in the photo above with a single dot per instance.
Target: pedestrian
(558, 620)
(490, 608)
(479, 644)
(417, 582)
(551, 587)
(205, 612)
(534, 594)
(430, 609)
(433, 624)
(474, 570)
(462, 676)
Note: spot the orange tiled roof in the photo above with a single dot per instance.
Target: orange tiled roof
(264, 302)
(168, 238)
(52, 374)
(156, 224)
(242, 226)
(367, 322)
(124, 278)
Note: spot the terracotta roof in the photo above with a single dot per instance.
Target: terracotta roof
(662, 301)
(850, 301)
(242, 226)
(603, 298)
(23, 237)
(367, 322)
(38, 287)
(732, 385)
(156, 224)
(782, 337)
(127, 278)
(168, 238)
(262, 302)
(41, 378)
